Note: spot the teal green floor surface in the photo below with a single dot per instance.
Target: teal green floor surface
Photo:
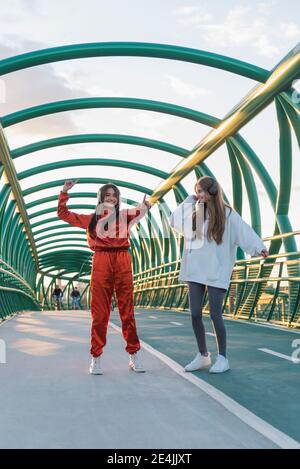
(267, 385)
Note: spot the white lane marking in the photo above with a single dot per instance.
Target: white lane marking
(273, 434)
(280, 355)
(153, 317)
(176, 323)
(250, 323)
(243, 321)
(261, 324)
(210, 333)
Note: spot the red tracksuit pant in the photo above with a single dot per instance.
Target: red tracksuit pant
(112, 270)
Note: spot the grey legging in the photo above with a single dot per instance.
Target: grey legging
(215, 298)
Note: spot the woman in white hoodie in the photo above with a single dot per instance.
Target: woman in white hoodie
(212, 232)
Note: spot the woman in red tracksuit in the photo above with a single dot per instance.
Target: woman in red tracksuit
(108, 236)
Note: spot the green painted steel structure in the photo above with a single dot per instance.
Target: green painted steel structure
(35, 255)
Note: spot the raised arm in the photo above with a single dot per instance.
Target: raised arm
(74, 219)
(135, 214)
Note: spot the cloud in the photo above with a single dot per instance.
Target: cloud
(291, 30)
(186, 89)
(238, 29)
(99, 91)
(150, 125)
(243, 26)
(192, 15)
(16, 9)
(79, 80)
(34, 86)
(265, 7)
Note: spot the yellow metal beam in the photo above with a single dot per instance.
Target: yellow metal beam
(11, 177)
(256, 100)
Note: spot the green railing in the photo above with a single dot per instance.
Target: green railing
(16, 294)
(260, 289)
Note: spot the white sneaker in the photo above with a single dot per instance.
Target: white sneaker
(95, 366)
(200, 361)
(221, 364)
(135, 363)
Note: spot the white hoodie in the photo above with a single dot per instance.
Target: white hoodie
(206, 261)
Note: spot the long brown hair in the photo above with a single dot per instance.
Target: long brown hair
(215, 206)
(101, 195)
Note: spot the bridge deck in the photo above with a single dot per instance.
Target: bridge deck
(48, 399)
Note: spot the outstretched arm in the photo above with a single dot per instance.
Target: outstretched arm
(245, 237)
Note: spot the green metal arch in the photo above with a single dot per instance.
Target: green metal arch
(53, 235)
(144, 104)
(183, 112)
(96, 102)
(86, 180)
(135, 49)
(264, 172)
(98, 162)
(92, 138)
(159, 107)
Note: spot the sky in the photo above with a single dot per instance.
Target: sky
(258, 32)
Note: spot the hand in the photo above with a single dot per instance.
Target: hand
(146, 202)
(264, 253)
(198, 200)
(68, 185)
